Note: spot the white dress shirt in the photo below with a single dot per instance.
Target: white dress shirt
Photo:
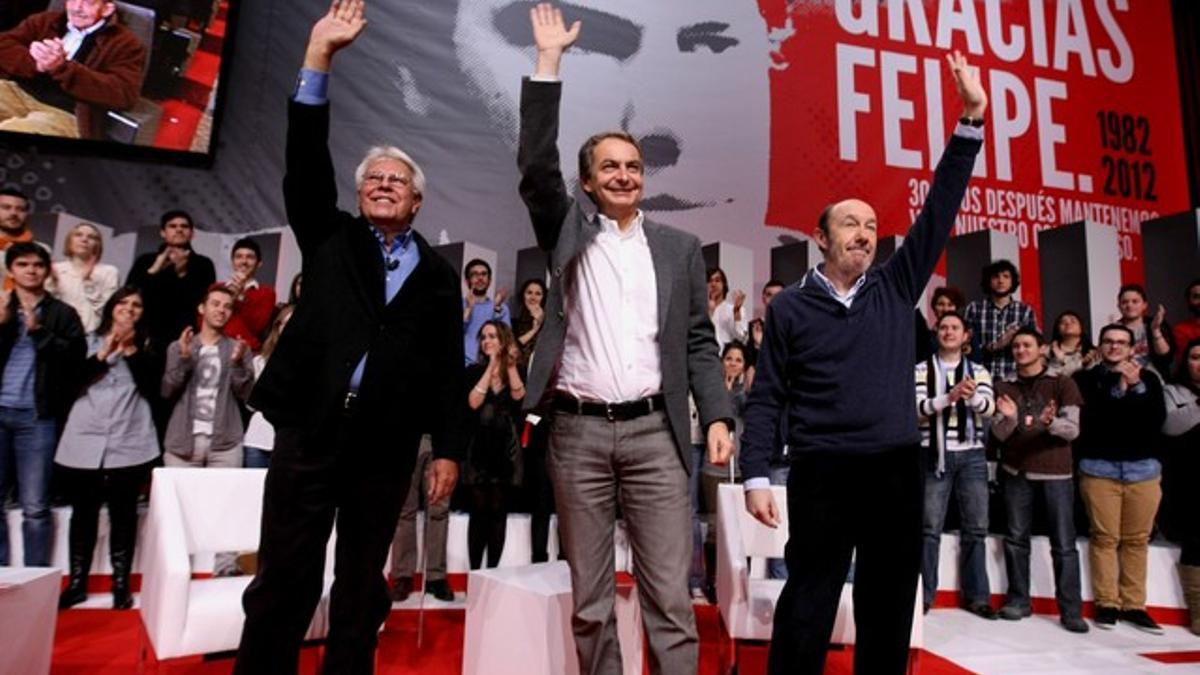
(610, 351)
(74, 37)
(728, 328)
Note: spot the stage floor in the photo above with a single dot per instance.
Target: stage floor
(97, 641)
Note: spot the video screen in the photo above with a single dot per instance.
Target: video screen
(138, 78)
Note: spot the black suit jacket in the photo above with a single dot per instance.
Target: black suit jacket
(413, 375)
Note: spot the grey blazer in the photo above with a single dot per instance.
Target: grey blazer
(686, 341)
(236, 381)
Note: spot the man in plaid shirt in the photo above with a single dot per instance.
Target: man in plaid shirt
(997, 318)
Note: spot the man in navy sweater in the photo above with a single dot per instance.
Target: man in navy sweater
(836, 362)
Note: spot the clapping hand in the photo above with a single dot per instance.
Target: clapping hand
(239, 350)
(185, 342)
(1048, 413)
(1131, 374)
(1006, 406)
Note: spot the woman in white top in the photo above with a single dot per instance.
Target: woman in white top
(728, 317)
(82, 281)
(260, 435)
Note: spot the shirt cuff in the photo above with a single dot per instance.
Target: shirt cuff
(543, 78)
(968, 131)
(312, 87)
(760, 483)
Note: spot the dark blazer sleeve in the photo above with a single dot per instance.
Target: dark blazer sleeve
(542, 187)
(448, 435)
(309, 186)
(910, 268)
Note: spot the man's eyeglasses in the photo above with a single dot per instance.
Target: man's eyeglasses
(384, 178)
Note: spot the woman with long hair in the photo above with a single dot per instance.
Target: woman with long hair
(1070, 349)
(82, 281)
(259, 439)
(493, 463)
(528, 321)
(109, 443)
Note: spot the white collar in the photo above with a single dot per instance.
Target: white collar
(611, 227)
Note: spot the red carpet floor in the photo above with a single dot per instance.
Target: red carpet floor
(106, 642)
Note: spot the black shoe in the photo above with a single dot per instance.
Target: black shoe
(75, 594)
(1106, 617)
(982, 610)
(1139, 619)
(440, 589)
(1014, 612)
(1074, 624)
(401, 589)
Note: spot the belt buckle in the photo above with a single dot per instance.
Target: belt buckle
(610, 412)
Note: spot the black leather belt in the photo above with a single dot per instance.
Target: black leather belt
(613, 412)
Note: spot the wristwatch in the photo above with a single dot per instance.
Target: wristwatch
(971, 121)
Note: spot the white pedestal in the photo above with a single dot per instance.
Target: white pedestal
(28, 612)
(519, 622)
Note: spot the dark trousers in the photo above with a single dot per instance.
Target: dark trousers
(1059, 495)
(87, 490)
(357, 473)
(488, 525)
(540, 493)
(838, 503)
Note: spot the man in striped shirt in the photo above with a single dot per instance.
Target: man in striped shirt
(953, 398)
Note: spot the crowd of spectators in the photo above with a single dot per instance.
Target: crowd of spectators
(99, 379)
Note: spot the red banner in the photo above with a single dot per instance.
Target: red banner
(1083, 122)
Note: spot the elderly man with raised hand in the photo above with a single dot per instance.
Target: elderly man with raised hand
(61, 71)
(626, 336)
(371, 360)
(845, 389)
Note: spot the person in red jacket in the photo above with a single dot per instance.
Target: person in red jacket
(61, 71)
(255, 302)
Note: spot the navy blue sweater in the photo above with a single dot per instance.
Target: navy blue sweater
(844, 377)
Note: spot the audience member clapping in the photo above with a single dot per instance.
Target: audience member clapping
(1070, 349)
(1153, 341)
(494, 462)
(530, 316)
(254, 302)
(82, 281)
(109, 444)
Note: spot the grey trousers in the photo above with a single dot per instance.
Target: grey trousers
(596, 464)
(437, 520)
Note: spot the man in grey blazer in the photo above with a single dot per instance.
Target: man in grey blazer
(626, 336)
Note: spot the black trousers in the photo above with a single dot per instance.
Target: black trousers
(356, 472)
(87, 490)
(839, 503)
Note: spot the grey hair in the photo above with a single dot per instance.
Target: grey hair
(390, 152)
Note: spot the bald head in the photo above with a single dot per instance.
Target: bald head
(846, 233)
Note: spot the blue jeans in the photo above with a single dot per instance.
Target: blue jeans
(777, 567)
(967, 476)
(255, 458)
(696, 575)
(1060, 513)
(27, 459)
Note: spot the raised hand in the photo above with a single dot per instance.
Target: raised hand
(5, 311)
(551, 36)
(739, 298)
(337, 29)
(970, 89)
(1159, 316)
